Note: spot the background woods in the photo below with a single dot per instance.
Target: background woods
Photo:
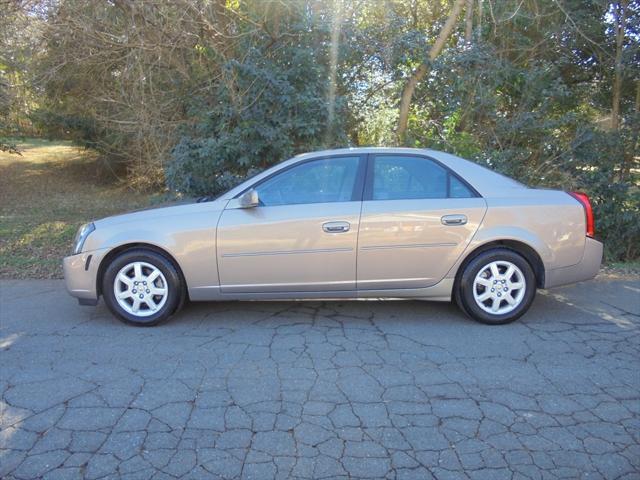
(194, 95)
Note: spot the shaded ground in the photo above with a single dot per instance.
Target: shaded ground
(45, 195)
(322, 390)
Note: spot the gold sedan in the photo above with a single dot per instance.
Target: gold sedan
(349, 223)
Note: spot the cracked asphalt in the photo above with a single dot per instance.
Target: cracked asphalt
(361, 389)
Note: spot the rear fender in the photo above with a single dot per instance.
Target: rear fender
(485, 237)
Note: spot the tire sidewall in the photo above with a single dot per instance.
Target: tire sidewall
(168, 270)
(465, 290)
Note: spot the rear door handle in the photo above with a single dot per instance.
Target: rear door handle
(336, 227)
(457, 219)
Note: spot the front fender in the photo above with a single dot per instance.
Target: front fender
(189, 239)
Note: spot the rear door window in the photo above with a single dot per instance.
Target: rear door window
(411, 177)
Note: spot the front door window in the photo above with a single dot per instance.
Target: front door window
(318, 181)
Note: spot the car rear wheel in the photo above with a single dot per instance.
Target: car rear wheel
(496, 287)
(142, 287)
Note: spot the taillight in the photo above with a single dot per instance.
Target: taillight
(588, 211)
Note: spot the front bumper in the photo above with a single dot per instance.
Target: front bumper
(586, 269)
(81, 274)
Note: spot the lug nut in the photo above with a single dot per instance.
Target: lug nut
(141, 296)
(505, 289)
(148, 291)
(493, 289)
(134, 291)
(499, 294)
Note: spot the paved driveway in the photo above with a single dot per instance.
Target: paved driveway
(321, 390)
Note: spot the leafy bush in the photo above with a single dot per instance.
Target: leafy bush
(281, 111)
(605, 168)
(52, 125)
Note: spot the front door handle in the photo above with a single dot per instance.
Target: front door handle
(457, 219)
(336, 227)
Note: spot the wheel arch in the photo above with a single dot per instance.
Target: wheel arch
(526, 251)
(108, 258)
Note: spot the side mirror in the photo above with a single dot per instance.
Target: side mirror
(249, 199)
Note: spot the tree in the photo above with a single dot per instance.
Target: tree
(421, 71)
(468, 22)
(619, 22)
(280, 95)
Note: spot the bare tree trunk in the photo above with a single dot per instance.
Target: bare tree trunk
(620, 12)
(468, 22)
(421, 71)
(336, 23)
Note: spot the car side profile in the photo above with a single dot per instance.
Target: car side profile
(346, 223)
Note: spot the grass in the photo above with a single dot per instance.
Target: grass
(45, 195)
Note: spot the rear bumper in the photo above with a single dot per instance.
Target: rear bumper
(81, 275)
(586, 269)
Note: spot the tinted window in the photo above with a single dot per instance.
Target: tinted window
(318, 181)
(400, 178)
(397, 178)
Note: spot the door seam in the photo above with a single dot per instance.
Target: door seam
(364, 188)
(216, 244)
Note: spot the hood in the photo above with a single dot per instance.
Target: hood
(168, 210)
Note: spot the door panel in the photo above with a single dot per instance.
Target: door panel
(302, 236)
(297, 248)
(406, 244)
(417, 219)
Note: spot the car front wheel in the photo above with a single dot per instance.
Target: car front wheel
(142, 287)
(496, 287)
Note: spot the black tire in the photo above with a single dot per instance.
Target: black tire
(175, 287)
(464, 294)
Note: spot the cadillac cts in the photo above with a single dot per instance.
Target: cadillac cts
(350, 223)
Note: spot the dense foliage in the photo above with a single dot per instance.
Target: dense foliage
(197, 94)
(269, 106)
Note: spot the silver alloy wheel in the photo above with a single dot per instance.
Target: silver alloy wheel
(140, 289)
(499, 287)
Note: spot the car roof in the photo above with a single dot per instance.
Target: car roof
(485, 181)
(362, 150)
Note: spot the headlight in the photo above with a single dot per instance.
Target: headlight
(81, 236)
